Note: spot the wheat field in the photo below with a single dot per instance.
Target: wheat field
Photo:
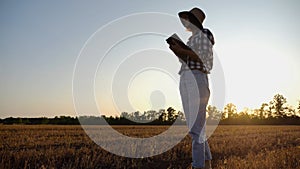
(232, 147)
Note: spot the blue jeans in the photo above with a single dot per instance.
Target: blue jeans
(194, 91)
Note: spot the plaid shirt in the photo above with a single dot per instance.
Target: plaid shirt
(202, 44)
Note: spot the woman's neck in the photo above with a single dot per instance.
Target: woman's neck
(195, 31)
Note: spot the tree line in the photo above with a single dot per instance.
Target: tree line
(277, 111)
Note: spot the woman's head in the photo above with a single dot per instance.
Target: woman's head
(192, 19)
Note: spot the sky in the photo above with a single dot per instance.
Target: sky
(256, 44)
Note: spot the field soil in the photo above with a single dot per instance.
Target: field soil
(232, 147)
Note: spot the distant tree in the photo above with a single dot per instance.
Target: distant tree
(230, 109)
(262, 110)
(136, 115)
(223, 115)
(158, 113)
(110, 119)
(270, 114)
(162, 115)
(151, 115)
(171, 115)
(181, 116)
(125, 115)
(19, 120)
(26, 121)
(45, 120)
(213, 113)
(290, 111)
(298, 107)
(256, 114)
(245, 114)
(277, 105)
(143, 117)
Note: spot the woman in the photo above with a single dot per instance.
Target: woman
(197, 61)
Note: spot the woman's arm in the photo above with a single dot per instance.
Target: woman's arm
(179, 51)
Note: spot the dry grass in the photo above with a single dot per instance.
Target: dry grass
(233, 147)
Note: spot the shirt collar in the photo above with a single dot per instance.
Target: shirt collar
(196, 33)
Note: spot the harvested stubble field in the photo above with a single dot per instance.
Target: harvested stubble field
(232, 147)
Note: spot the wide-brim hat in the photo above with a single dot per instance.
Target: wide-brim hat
(194, 15)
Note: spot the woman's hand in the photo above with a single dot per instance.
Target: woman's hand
(177, 49)
(181, 52)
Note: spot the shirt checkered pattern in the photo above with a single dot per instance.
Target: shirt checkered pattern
(202, 44)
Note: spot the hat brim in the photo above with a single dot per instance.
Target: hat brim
(187, 16)
(183, 14)
(184, 17)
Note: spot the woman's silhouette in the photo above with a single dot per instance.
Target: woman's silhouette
(197, 62)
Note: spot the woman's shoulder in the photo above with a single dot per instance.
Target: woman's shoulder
(204, 33)
(208, 34)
